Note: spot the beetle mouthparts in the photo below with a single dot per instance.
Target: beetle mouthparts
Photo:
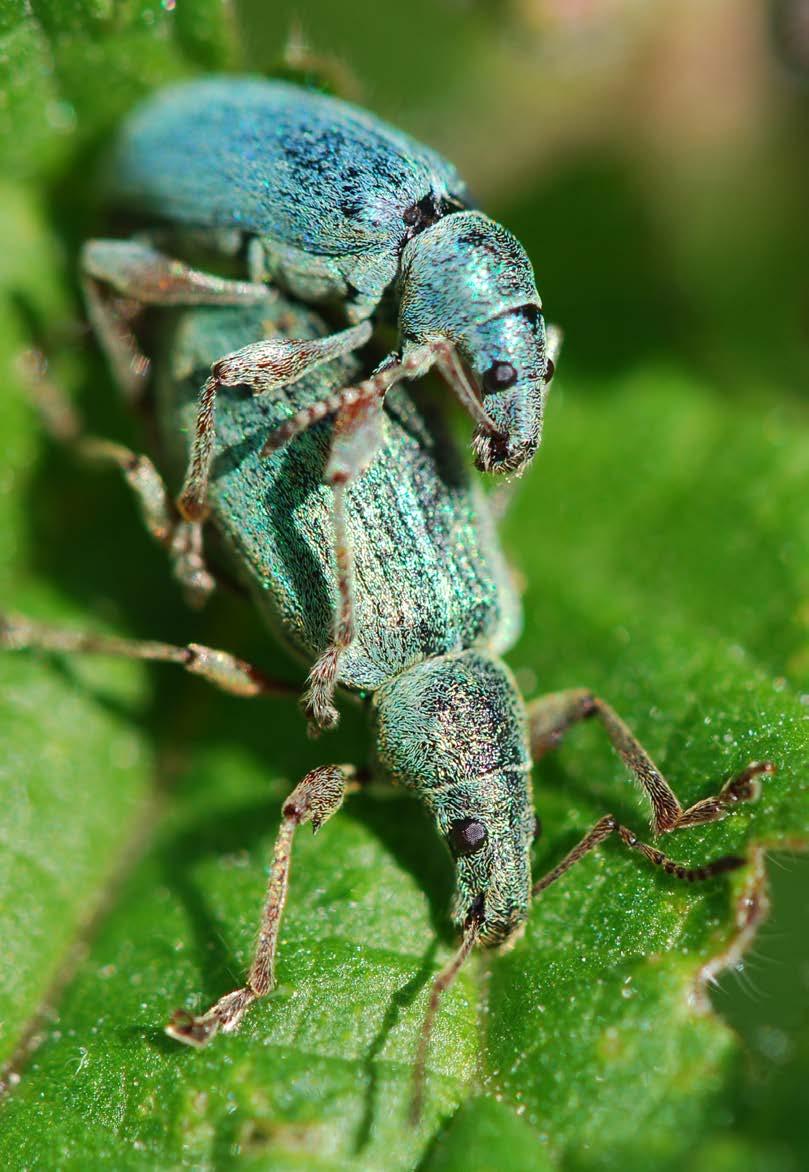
(475, 915)
(493, 453)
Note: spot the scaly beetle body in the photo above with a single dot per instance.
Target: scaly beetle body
(331, 194)
(434, 610)
(333, 200)
(334, 205)
(331, 204)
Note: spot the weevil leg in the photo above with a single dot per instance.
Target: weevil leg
(182, 539)
(609, 825)
(415, 363)
(220, 668)
(551, 716)
(265, 366)
(323, 72)
(356, 439)
(315, 799)
(120, 277)
(445, 357)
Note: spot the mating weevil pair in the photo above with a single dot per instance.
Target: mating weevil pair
(432, 602)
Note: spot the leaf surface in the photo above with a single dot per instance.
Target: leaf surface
(664, 542)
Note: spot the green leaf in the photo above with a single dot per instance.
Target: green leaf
(480, 1128)
(71, 68)
(663, 538)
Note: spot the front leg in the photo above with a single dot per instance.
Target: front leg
(549, 719)
(315, 799)
(356, 439)
(265, 366)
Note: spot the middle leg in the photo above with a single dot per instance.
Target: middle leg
(180, 538)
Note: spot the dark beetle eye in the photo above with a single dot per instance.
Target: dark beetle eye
(466, 836)
(499, 376)
(537, 826)
(550, 370)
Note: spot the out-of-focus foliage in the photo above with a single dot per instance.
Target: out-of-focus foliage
(656, 168)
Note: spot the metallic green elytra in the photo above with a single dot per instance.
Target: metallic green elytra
(433, 601)
(432, 608)
(434, 604)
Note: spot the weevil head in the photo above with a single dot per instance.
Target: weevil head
(453, 729)
(468, 280)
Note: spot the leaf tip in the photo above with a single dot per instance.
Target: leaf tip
(751, 910)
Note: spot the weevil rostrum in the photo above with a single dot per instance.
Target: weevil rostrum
(330, 203)
(435, 609)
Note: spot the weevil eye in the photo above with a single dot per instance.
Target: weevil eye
(537, 827)
(466, 836)
(550, 370)
(499, 377)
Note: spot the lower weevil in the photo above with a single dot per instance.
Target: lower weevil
(434, 609)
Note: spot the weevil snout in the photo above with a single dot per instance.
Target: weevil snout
(453, 729)
(494, 881)
(502, 453)
(507, 357)
(468, 280)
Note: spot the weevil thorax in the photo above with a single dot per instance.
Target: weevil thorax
(454, 730)
(469, 280)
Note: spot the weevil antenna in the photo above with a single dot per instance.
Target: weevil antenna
(441, 983)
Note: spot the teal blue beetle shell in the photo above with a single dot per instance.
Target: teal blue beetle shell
(305, 173)
(430, 577)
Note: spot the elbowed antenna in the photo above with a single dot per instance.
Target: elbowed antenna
(441, 983)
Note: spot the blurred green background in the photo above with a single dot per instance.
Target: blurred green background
(654, 160)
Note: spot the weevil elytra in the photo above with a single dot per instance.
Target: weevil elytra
(435, 608)
(334, 205)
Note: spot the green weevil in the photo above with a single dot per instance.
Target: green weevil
(435, 609)
(335, 206)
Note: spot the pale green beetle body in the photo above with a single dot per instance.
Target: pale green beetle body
(434, 600)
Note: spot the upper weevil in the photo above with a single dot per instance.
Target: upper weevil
(335, 206)
(434, 610)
